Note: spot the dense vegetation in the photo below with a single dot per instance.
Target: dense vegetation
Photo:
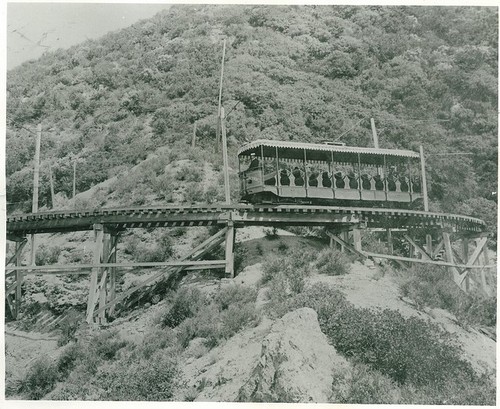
(105, 367)
(428, 75)
(393, 359)
(396, 359)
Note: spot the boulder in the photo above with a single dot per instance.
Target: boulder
(296, 362)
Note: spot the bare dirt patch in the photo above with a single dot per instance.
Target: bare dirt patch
(21, 350)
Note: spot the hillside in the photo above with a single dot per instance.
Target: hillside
(357, 341)
(427, 76)
(300, 322)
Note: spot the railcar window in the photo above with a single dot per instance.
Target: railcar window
(397, 176)
(368, 177)
(319, 175)
(244, 162)
(254, 163)
(345, 175)
(269, 167)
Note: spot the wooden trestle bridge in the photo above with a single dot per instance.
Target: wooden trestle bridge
(344, 225)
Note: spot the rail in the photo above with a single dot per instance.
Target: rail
(240, 214)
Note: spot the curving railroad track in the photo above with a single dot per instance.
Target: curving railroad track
(240, 214)
(107, 223)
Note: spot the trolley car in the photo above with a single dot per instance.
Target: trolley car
(328, 174)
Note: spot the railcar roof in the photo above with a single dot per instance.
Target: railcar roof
(316, 151)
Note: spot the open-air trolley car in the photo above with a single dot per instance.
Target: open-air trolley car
(328, 174)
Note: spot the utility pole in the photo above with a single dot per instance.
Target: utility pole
(193, 141)
(51, 186)
(74, 178)
(36, 174)
(218, 129)
(227, 189)
(424, 179)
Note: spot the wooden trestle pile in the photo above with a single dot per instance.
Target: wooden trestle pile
(344, 225)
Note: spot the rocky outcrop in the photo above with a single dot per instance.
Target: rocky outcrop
(296, 362)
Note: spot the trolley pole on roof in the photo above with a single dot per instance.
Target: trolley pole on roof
(424, 179)
(374, 132)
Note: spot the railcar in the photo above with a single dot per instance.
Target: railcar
(329, 174)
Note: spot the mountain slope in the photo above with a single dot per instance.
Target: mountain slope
(426, 74)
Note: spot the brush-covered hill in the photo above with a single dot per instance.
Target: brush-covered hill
(125, 107)
(299, 323)
(428, 75)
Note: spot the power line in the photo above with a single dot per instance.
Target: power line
(349, 130)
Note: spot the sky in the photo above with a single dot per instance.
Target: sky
(33, 28)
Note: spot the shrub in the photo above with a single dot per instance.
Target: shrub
(433, 286)
(460, 390)
(160, 250)
(372, 242)
(47, 255)
(68, 358)
(151, 379)
(322, 298)
(332, 262)
(295, 266)
(177, 232)
(80, 256)
(397, 351)
(362, 385)
(156, 340)
(236, 304)
(232, 308)
(271, 234)
(186, 303)
(282, 247)
(194, 192)
(407, 350)
(68, 327)
(479, 310)
(40, 378)
(213, 193)
(190, 173)
(285, 275)
(237, 317)
(272, 265)
(240, 255)
(106, 344)
(205, 324)
(234, 295)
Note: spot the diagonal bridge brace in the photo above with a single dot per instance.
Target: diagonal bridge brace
(424, 253)
(197, 253)
(481, 243)
(15, 305)
(346, 244)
